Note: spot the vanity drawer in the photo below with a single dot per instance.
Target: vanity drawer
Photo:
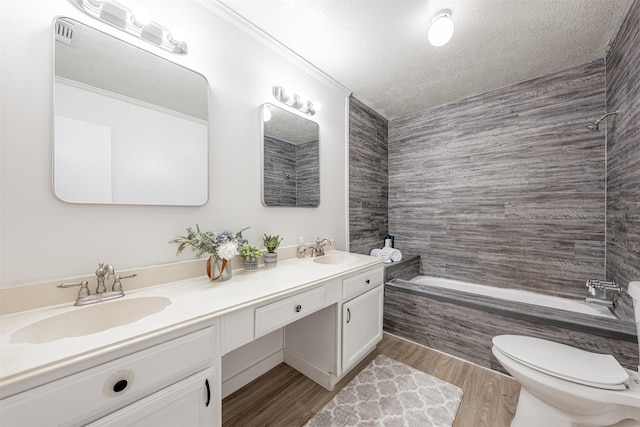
(356, 285)
(278, 314)
(86, 396)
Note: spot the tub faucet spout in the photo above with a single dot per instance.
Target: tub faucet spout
(604, 302)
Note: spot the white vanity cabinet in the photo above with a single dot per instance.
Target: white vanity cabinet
(362, 312)
(174, 375)
(327, 344)
(326, 330)
(361, 326)
(190, 402)
(318, 316)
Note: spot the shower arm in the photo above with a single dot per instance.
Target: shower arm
(605, 116)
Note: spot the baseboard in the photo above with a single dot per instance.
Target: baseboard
(327, 380)
(244, 377)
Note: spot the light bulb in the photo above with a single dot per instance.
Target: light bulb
(266, 115)
(140, 17)
(177, 35)
(441, 29)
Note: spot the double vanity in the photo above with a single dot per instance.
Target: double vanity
(160, 354)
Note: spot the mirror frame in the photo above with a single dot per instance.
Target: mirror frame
(151, 190)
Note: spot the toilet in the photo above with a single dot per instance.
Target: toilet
(565, 386)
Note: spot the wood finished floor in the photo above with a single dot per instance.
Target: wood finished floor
(285, 398)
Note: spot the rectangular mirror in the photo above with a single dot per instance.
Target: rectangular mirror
(129, 126)
(290, 159)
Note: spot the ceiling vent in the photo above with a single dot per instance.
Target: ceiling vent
(64, 31)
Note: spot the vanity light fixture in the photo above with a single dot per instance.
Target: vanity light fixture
(137, 23)
(293, 100)
(441, 29)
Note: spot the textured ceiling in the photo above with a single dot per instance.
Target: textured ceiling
(378, 48)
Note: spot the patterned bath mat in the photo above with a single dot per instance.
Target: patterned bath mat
(391, 394)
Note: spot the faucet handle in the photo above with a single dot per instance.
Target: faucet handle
(84, 287)
(117, 285)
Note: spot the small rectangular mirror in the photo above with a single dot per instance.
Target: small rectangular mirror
(130, 127)
(290, 159)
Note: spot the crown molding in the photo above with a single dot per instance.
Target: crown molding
(267, 40)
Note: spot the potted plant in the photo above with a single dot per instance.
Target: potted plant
(250, 254)
(271, 243)
(221, 248)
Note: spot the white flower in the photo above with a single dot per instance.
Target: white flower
(228, 249)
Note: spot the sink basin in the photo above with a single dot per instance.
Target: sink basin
(335, 259)
(90, 319)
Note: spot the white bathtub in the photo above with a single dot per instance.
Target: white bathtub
(576, 306)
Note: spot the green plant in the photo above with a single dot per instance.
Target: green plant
(249, 252)
(224, 244)
(271, 242)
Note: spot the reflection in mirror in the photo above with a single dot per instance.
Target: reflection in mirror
(130, 127)
(290, 159)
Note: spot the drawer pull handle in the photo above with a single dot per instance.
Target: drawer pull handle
(206, 383)
(120, 386)
(298, 308)
(368, 281)
(348, 315)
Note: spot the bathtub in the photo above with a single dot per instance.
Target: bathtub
(460, 319)
(517, 295)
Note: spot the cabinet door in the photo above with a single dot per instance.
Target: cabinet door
(189, 402)
(361, 326)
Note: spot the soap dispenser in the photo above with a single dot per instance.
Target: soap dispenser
(302, 249)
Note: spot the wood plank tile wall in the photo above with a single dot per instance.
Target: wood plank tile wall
(506, 188)
(291, 173)
(279, 172)
(623, 157)
(368, 178)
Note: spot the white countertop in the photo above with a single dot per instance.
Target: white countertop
(192, 301)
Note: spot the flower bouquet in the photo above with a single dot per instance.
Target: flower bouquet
(221, 248)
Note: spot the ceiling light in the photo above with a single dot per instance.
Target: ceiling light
(441, 28)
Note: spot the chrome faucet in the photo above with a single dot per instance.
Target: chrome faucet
(103, 273)
(603, 293)
(317, 248)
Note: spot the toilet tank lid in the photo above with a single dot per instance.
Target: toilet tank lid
(634, 291)
(563, 361)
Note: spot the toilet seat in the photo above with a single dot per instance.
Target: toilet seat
(564, 362)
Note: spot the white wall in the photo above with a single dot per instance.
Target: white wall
(44, 238)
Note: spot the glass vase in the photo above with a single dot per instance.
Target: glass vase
(218, 269)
